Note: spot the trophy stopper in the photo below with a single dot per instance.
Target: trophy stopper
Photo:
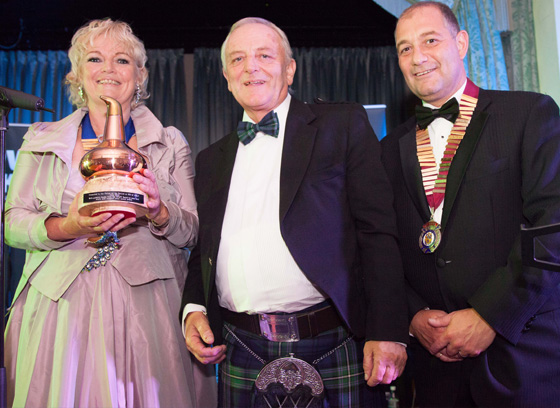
(108, 169)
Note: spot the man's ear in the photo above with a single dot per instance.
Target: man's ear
(462, 41)
(291, 71)
(226, 77)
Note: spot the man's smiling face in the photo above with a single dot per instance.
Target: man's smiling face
(256, 69)
(431, 54)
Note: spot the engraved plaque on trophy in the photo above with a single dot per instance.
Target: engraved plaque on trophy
(108, 169)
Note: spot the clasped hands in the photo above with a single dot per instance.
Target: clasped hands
(452, 336)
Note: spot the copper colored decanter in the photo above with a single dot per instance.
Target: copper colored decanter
(108, 169)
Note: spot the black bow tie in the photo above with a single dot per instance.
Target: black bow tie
(246, 131)
(449, 111)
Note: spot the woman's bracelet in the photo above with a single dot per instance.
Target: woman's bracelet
(163, 224)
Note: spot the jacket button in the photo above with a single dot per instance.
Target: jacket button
(441, 262)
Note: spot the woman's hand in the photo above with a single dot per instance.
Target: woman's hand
(157, 213)
(75, 225)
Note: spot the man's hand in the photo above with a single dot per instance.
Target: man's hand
(466, 334)
(428, 335)
(383, 361)
(197, 333)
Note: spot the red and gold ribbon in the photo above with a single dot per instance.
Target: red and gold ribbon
(435, 181)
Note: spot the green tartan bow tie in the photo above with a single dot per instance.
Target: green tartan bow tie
(246, 131)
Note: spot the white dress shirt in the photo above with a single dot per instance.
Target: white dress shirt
(439, 131)
(255, 272)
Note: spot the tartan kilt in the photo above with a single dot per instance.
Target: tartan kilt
(342, 371)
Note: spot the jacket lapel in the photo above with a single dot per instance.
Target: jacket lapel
(299, 139)
(463, 156)
(411, 170)
(220, 181)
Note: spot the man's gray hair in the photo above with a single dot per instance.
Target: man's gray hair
(257, 20)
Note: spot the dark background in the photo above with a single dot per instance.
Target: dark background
(50, 24)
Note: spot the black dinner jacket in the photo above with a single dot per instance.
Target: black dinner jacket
(335, 215)
(505, 173)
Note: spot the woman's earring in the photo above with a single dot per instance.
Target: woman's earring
(81, 93)
(137, 94)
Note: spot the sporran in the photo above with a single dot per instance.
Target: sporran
(288, 382)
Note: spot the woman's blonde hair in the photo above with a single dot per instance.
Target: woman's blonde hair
(120, 32)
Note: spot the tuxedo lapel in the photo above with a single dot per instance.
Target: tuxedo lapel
(220, 181)
(412, 173)
(463, 157)
(299, 139)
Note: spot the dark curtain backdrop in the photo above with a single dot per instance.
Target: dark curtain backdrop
(167, 87)
(215, 112)
(42, 73)
(39, 73)
(364, 75)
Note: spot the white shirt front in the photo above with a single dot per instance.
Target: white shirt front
(439, 131)
(255, 272)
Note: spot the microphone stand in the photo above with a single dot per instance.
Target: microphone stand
(9, 98)
(4, 111)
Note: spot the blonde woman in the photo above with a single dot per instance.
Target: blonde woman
(86, 335)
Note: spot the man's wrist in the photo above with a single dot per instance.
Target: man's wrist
(410, 327)
(189, 308)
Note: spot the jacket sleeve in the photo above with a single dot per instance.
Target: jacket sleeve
(177, 192)
(193, 291)
(371, 202)
(25, 211)
(514, 293)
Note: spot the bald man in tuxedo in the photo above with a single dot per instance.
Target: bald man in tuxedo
(467, 171)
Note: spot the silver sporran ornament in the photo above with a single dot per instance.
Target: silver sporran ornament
(289, 382)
